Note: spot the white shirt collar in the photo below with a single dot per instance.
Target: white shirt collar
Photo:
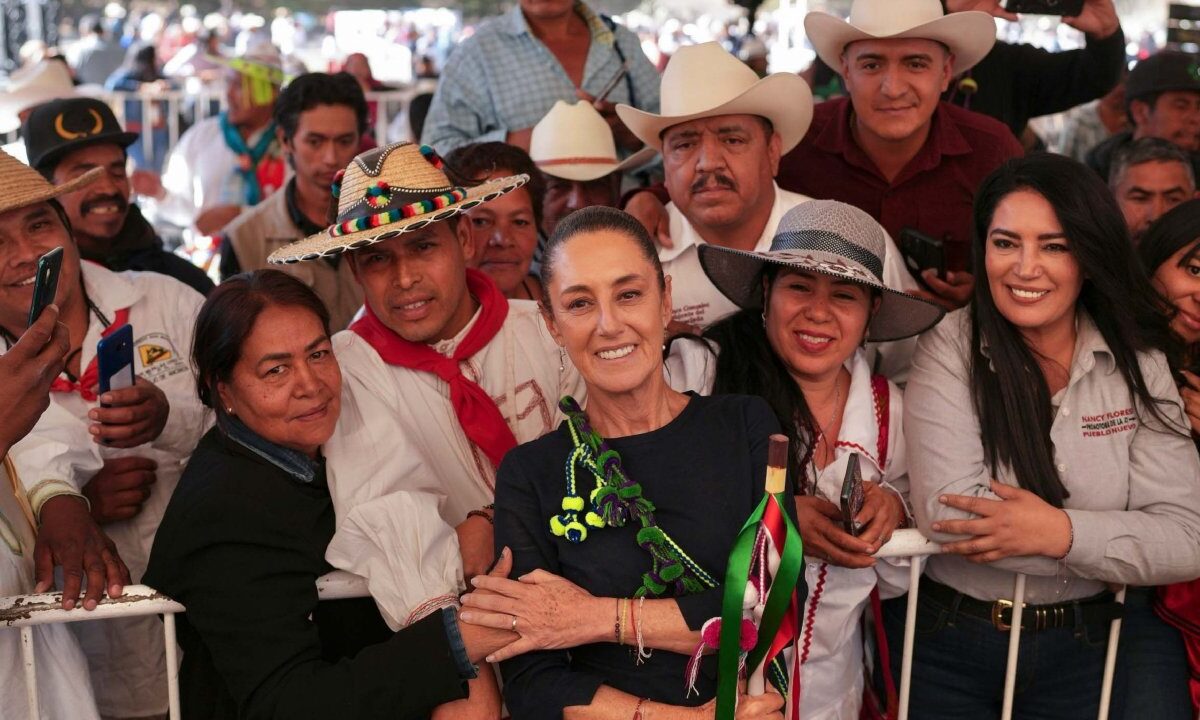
(109, 291)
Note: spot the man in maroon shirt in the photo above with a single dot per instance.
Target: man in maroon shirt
(892, 148)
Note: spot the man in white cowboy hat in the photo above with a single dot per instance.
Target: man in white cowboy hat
(721, 133)
(123, 450)
(320, 119)
(441, 375)
(892, 148)
(228, 162)
(575, 151)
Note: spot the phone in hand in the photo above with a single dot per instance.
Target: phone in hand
(853, 496)
(114, 359)
(1064, 8)
(45, 282)
(922, 252)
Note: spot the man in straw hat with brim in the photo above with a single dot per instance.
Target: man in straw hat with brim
(228, 162)
(441, 375)
(574, 148)
(122, 450)
(28, 367)
(721, 134)
(892, 148)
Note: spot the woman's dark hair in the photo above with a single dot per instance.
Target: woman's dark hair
(228, 317)
(471, 165)
(141, 63)
(1011, 395)
(312, 89)
(748, 365)
(1169, 234)
(598, 219)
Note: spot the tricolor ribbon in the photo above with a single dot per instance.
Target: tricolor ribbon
(768, 530)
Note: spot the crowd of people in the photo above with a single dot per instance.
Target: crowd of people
(520, 376)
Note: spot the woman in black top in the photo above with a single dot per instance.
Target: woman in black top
(243, 539)
(683, 471)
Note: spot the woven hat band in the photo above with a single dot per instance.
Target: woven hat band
(829, 242)
(388, 178)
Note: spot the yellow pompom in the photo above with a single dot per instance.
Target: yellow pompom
(572, 503)
(594, 520)
(557, 527)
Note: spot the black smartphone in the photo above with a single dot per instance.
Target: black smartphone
(45, 282)
(922, 252)
(114, 359)
(1065, 8)
(853, 496)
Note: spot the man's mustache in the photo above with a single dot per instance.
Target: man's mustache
(717, 179)
(90, 204)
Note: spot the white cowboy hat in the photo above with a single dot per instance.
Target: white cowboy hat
(705, 80)
(33, 85)
(970, 35)
(574, 142)
(389, 191)
(828, 237)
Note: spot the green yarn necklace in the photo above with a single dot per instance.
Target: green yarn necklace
(615, 500)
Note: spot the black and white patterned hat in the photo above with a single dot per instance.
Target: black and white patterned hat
(828, 237)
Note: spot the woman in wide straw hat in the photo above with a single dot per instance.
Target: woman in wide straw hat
(808, 306)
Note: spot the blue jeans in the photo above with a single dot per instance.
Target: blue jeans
(1152, 663)
(959, 662)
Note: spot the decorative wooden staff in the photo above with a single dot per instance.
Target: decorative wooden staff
(760, 584)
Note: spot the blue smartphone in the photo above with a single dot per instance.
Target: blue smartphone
(45, 283)
(114, 359)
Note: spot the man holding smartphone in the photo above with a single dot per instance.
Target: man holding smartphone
(122, 451)
(28, 369)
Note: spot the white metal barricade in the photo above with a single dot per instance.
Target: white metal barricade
(159, 105)
(911, 543)
(25, 611)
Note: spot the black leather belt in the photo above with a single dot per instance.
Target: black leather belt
(1098, 609)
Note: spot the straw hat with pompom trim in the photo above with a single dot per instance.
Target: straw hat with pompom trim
(386, 192)
(23, 186)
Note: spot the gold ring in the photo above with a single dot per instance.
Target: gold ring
(514, 624)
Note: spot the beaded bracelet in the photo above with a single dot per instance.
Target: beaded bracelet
(642, 653)
(617, 623)
(483, 514)
(624, 604)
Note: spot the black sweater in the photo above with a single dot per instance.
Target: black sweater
(704, 472)
(241, 545)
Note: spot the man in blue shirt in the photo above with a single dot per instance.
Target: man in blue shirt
(507, 76)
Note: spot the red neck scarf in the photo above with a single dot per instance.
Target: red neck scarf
(87, 382)
(477, 414)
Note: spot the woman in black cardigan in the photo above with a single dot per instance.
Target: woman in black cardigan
(243, 539)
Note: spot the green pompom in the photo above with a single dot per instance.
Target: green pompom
(572, 502)
(653, 586)
(594, 520)
(650, 534)
(630, 491)
(671, 572)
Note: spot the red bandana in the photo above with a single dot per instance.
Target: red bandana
(87, 382)
(477, 413)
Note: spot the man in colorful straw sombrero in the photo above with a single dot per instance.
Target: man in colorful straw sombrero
(721, 133)
(441, 375)
(122, 450)
(230, 161)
